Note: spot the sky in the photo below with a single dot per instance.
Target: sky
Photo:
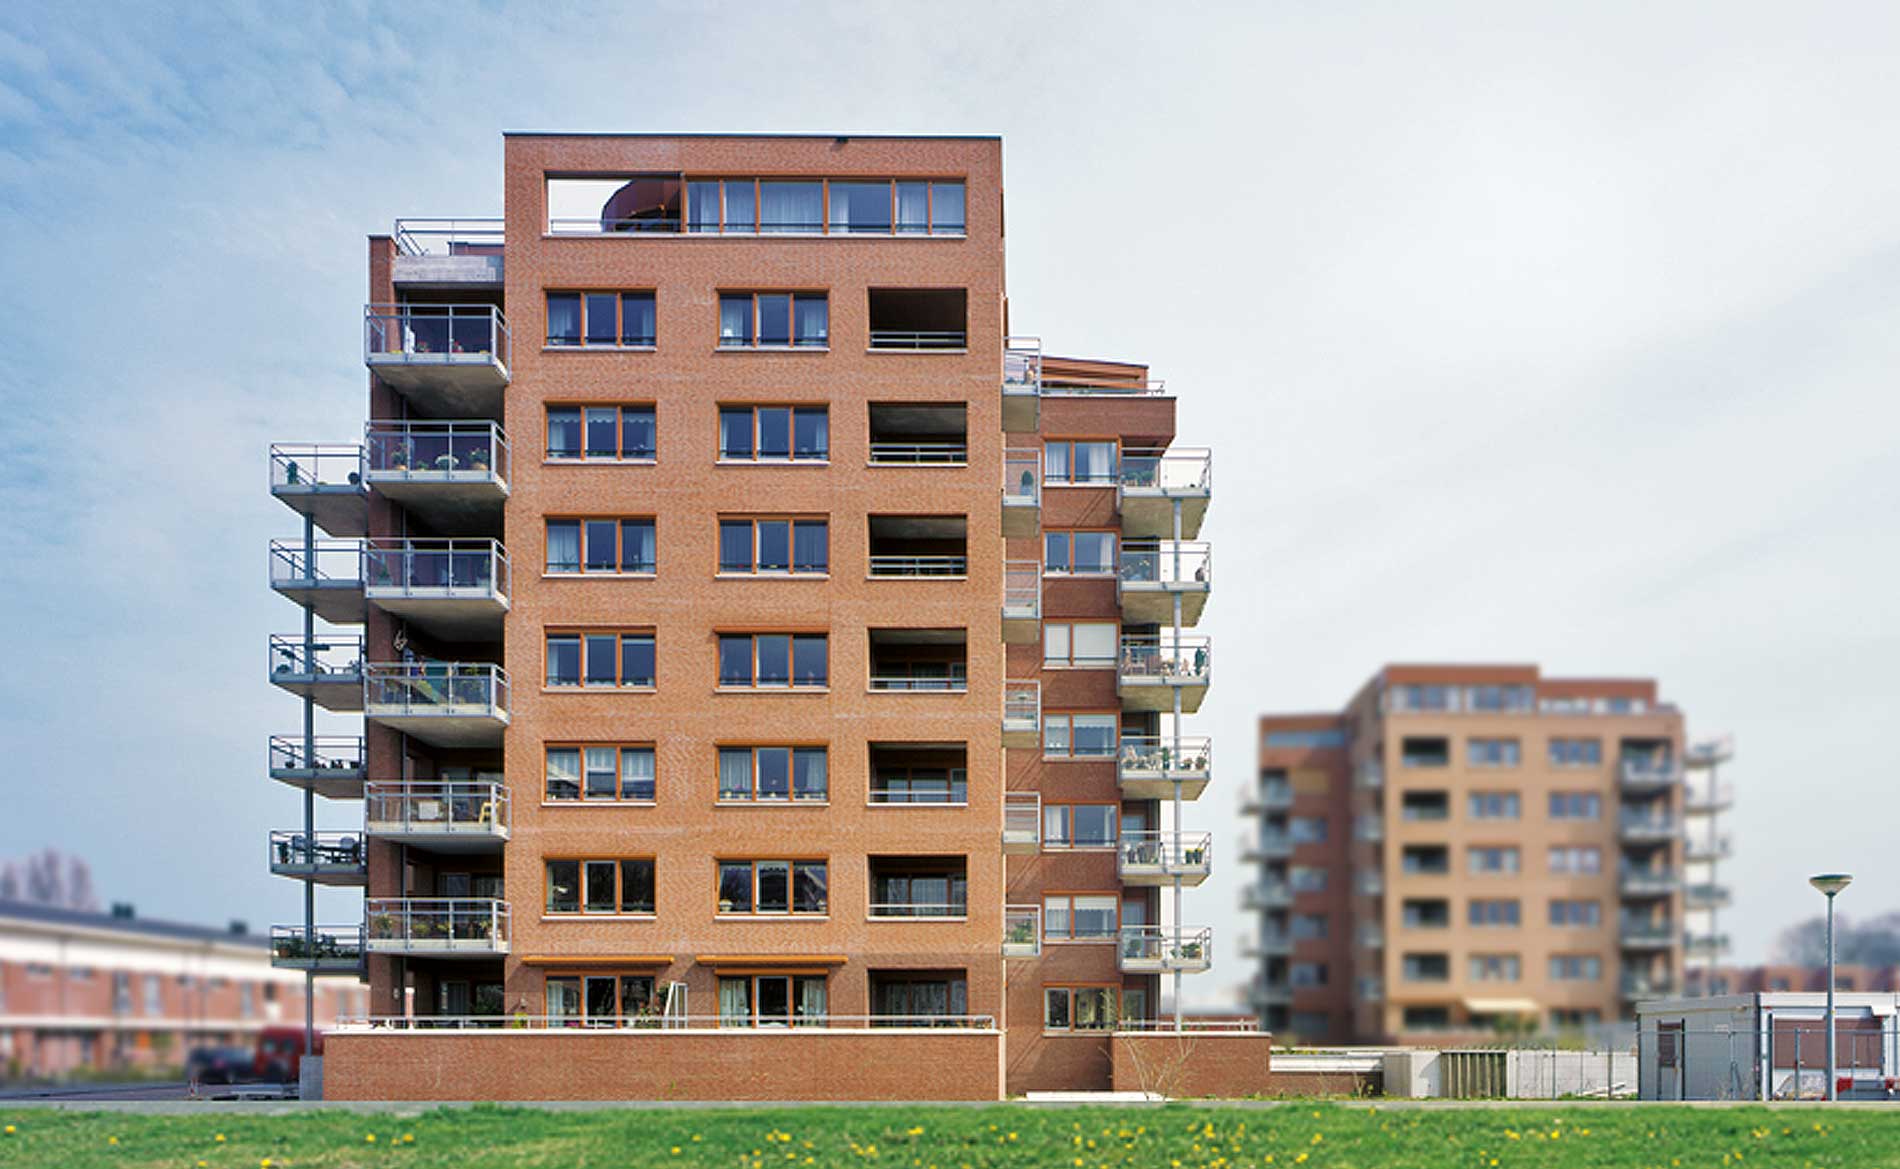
(1526, 333)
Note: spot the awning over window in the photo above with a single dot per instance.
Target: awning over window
(1502, 1006)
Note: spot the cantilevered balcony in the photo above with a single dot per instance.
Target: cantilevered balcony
(1151, 485)
(439, 927)
(1705, 945)
(332, 767)
(1637, 933)
(1154, 949)
(1638, 984)
(1266, 893)
(1647, 881)
(1269, 992)
(1022, 493)
(1268, 844)
(1272, 943)
(324, 482)
(444, 704)
(1022, 385)
(1649, 772)
(325, 577)
(1154, 669)
(1022, 602)
(452, 475)
(447, 817)
(1022, 714)
(450, 360)
(455, 254)
(455, 589)
(1707, 846)
(1022, 931)
(1705, 896)
(1156, 572)
(1022, 822)
(325, 858)
(1703, 797)
(327, 670)
(1647, 827)
(328, 949)
(1148, 766)
(1273, 795)
(1161, 858)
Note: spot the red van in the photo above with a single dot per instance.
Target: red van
(280, 1053)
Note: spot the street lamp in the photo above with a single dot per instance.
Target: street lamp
(1831, 884)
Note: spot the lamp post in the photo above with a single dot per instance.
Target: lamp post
(1831, 884)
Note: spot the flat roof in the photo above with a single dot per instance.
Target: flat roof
(813, 135)
(140, 927)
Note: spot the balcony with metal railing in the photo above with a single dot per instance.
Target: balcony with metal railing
(437, 254)
(1638, 933)
(1022, 493)
(1273, 795)
(454, 475)
(1022, 714)
(1268, 844)
(1162, 858)
(328, 949)
(1272, 943)
(1645, 881)
(444, 704)
(918, 547)
(324, 858)
(449, 816)
(1703, 797)
(451, 360)
(1705, 945)
(454, 589)
(1649, 772)
(1637, 827)
(325, 577)
(324, 482)
(1155, 949)
(1022, 822)
(1154, 669)
(1022, 385)
(1269, 992)
(1636, 984)
(1706, 896)
(328, 670)
(442, 927)
(1265, 894)
(1369, 775)
(1151, 484)
(1022, 931)
(1022, 602)
(1707, 846)
(332, 766)
(1155, 573)
(1149, 766)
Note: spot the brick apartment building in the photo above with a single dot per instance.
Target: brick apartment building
(752, 642)
(1469, 847)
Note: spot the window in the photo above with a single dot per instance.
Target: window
(861, 208)
(1306, 739)
(1576, 752)
(1082, 644)
(1306, 878)
(772, 774)
(772, 1000)
(1079, 736)
(768, 434)
(154, 1002)
(919, 887)
(919, 773)
(620, 433)
(749, 206)
(774, 320)
(1493, 913)
(1493, 861)
(247, 1000)
(1307, 829)
(1493, 805)
(1069, 917)
(1078, 1008)
(773, 660)
(1575, 968)
(611, 205)
(600, 886)
(1499, 698)
(1492, 752)
(1574, 861)
(914, 998)
(600, 660)
(1306, 974)
(1425, 805)
(1495, 968)
(789, 206)
(1426, 1018)
(1079, 462)
(1425, 968)
(753, 547)
(1080, 553)
(1564, 1017)
(1424, 752)
(1425, 914)
(1079, 825)
(729, 206)
(792, 887)
(1588, 914)
(603, 999)
(622, 320)
(600, 773)
(601, 546)
(1576, 806)
(1309, 927)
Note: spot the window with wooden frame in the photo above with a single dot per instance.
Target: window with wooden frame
(768, 546)
(769, 775)
(619, 659)
(1079, 825)
(601, 320)
(1079, 736)
(602, 546)
(774, 434)
(1084, 645)
(611, 887)
(1079, 1008)
(1081, 917)
(773, 661)
(774, 320)
(791, 887)
(1079, 553)
(606, 999)
(1080, 462)
(624, 434)
(772, 1000)
(600, 773)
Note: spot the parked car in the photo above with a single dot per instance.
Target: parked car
(280, 1053)
(220, 1065)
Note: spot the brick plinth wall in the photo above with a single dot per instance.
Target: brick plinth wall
(1192, 1063)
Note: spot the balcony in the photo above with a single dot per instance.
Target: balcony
(323, 858)
(1266, 894)
(325, 577)
(919, 661)
(1022, 714)
(1164, 858)
(1369, 776)
(919, 434)
(444, 704)
(1707, 847)
(1706, 798)
(1638, 934)
(1022, 822)
(1153, 949)
(920, 547)
(1149, 767)
(1648, 773)
(442, 927)
(323, 482)
(1638, 985)
(1271, 796)
(1022, 385)
(1368, 828)
(919, 319)
(332, 767)
(450, 360)
(1648, 828)
(448, 254)
(1022, 494)
(331, 949)
(1706, 896)
(1705, 945)
(1022, 602)
(1154, 485)
(1642, 882)
(1269, 992)
(1272, 943)
(453, 589)
(1155, 574)
(1022, 931)
(452, 475)
(1155, 672)
(1269, 844)
(328, 670)
(445, 817)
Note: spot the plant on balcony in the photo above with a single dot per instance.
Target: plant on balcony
(1188, 951)
(1194, 856)
(478, 459)
(399, 456)
(382, 925)
(445, 462)
(1020, 933)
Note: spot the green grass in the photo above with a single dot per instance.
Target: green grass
(1323, 1136)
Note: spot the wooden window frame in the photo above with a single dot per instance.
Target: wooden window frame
(620, 685)
(1113, 1015)
(794, 863)
(792, 457)
(792, 569)
(620, 892)
(756, 341)
(620, 748)
(791, 798)
(620, 342)
(791, 658)
(1069, 571)
(620, 433)
(1109, 756)
(1114, 934)
(619, 557)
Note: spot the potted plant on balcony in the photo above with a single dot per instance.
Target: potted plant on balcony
(445, 462)
(1194, 856)
(399, 456)
(478, 459)
(1188, 951)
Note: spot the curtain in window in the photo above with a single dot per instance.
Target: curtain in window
(1095, 917)
(564, 546)
(1055, 824)
(702, 206)
(564, 433)
(812, 320)
(564, 319)
(793, 207)
(735, 1002)
(1055, 917)
(735, 775)
(564, 775)
(810, 551)
(1095, 462)
(913, 208)
(735, 320)
(637, 553)
(808, 775)
(811, 433)
(636, 775)
(1055, 462)
(811, 998)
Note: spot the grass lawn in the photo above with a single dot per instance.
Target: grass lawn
(1190, 1137)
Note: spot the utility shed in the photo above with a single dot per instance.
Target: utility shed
(1767, 1046)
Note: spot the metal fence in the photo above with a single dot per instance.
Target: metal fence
(1782, 1059)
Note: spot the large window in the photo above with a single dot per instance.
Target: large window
(1576, 806)
(795, 207)
(1496, 913)
(774, 320)
(600, 660)
(1079, 736)
(602, 546)
(1078, 1008)
(756, 547)
(606, 433)
(916, 998)
(919, 887)
(1492, 861)
(772, 774)
(773, 660)
(1494, 805)
(1073, 917)
(1564, 912)
(774, 434)
(1576, 752)
(600, 886)
(1080, 553)
(602, 1000)
(1576, 861)
(1575, 968)
(623, 320)
(789, 887)
(649, 203)
(601, 773)
(1092, 463)
(1081, 644)
(1492, 752)
(1079, 825)
(1495, 968)
(772, 1000)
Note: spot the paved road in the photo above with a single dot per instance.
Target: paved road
(137, 1090)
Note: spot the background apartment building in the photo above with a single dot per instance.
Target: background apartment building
(1465, 848)
(704, 670)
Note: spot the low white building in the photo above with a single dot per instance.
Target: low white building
(1767, 1046)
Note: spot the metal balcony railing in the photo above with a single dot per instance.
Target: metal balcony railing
(909, 909)
(1708, 797)
(1649, 771)
(336, 563)
(1272, 796)
(1175, 471)
(919, 339)
(469, 689)
(1266, 894)
(1268, 844)
(1022, 931)
(920, 566)
(1370, 775)
(1022, 478)
(331, 947)
(1642, 932)
(1022, 820)
(436, 452)
(1648, 881)
(436, 568)
(955, 683)
(1167, 564)
(1706, 847)
(1075, 386)
(436, 924)
(308, 466)
(1636, 985)
(920, 454)
(1180, 661)
(341, 753)
(332, 851)
(1022, 365)
(1648, 826)
(1022, 707)
(449, 807)
(1705, 895)
(1705, 943)
(332, 657)
(449, 237)
(435, 334)
(1165, 755)
(1167, 852)
(1154, 947)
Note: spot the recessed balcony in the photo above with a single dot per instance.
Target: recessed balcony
(328, 949)
(919, 547)
(438, 927)
(1648, 827)
(1149, 766)
(1266, 893)
(1022, 931)
(331, 766)
(1022, 385)
(454, 589)
(1157, 573)
(328, 669)
(1022, 822)
(1022, 602)
(445, 817)
(1022, 494)
(1165, 858)
(919, 661)
(919, 434)
(324, 576)
(1022, 714)
(452, 475)
(1637, 882)
(323, 858)
(1640, 934)
(1156, 486)
(450, 360)
(1649, 773)
(1154, 949)
(324, 482)
(1155, 672)
(444, 704)
(1270, 796)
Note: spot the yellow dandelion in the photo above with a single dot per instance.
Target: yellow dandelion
(1318, 1137)
(112, 1140)
(916, 1132)
(201, 1165)
(369, 1138)
(695, 1136)
(219, 1138)
(676, 1150)
(11, 1130)
(409, 1138)
(1300, 1160)
(264, 1164)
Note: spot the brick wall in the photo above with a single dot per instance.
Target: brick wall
(1212, 1064)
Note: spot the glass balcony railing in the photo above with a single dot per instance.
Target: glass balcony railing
(1022, 479)
(1022, 365)
(462, 809)
(1022, 821)
(475, 569)
(1022, 590)
(449, 237)
(1022, 714)
(334, 564)
(1648, 826)
(435, 453)
(1166, 854)
(333, 949)
(1172, 565)
(1183, 471)
(436, 925)
(464, 689)
(1643, 771)
(1022, 931)
(338, 754)
(1640, 881)
(317, 854)
(1640, 932)
(1153, 948)
(1172, 661)
(307, 466)
(329, 658)
(435, 334)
